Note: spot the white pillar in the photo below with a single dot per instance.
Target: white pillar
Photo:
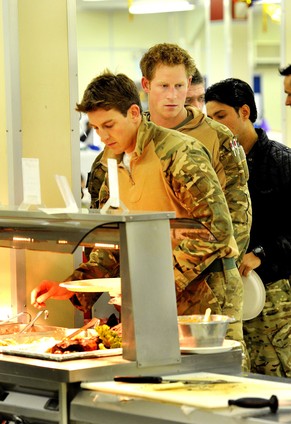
(227, 42)
(39, 90)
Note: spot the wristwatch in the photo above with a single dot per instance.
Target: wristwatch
(259, 252)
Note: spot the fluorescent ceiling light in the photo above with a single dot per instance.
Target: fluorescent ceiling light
(267, 2)
(159, 6)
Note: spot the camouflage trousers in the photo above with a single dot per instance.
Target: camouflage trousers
(268, 336)
(222, 291)
(228, 289)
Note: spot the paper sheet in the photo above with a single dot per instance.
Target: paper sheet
(31, 181)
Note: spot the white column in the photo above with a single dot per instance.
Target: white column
(12, 100)
(14, 291)
(38, 72)
(227, 46)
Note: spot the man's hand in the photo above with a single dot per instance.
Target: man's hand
(249, 262)
(48, 290)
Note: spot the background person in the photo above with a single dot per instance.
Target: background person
(286, 72)
(159, 169)
(268, 336)
(196, 92)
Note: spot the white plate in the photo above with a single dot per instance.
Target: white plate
(227, 345)
(254, 296)
(94, 285)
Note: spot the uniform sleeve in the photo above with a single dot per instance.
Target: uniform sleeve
(102, 264)
(237, 193)
(196, 186)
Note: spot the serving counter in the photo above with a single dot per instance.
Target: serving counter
(39, 391)
(90, 407)
(146, 268)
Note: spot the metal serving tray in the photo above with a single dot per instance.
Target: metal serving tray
(34, 345)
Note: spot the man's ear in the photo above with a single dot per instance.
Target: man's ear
(145, 84)
(245, 111)
(189, 82)
(134, 111)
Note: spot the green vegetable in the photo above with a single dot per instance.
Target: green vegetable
(109, 338)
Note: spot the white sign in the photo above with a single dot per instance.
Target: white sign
(113, 183)
(31, 181)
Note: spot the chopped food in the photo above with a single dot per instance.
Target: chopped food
(102, 337)
(106, 338)
(110, 339)
(7, 342)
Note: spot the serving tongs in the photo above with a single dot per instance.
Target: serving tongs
(32, 322)
(91, 323)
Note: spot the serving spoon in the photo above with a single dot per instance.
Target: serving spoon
(31, 323)
(207, 314)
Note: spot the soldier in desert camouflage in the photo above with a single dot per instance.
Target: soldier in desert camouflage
(166, 76)
(160, 170)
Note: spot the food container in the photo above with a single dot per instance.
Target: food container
(194, 331)
(14, 328)
(37, 345)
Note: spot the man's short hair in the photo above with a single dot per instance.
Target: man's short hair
(165, 54)
(235, 93)
(285, 71)
(197, 78)
(110, 91)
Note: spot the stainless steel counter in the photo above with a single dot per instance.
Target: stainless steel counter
(31, 384)
(146, 268)
(48, 392)
(92, 406)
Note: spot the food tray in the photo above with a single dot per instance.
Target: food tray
(35, 345)
(28, 351)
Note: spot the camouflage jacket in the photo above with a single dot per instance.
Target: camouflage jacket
(232, 158)
(169, 171)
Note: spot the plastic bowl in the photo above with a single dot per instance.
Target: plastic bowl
(194, 332)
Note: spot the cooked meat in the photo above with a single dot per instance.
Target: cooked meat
(75, 345)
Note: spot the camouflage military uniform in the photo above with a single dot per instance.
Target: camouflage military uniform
(268, 336)
(178, 177)
(235, 170)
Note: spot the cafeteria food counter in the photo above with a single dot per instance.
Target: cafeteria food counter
(88, 407)
(41, 391)
(205, 399)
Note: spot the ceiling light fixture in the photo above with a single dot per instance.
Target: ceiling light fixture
(267, 2)
(139, 7)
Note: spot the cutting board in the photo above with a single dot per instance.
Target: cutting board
(208, 390)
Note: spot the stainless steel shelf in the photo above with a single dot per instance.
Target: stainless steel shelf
(143, 237)
(37, 230)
